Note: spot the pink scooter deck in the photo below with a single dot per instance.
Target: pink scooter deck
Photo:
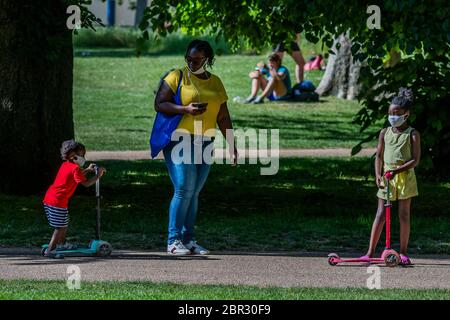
(389, 257)
(334, 260)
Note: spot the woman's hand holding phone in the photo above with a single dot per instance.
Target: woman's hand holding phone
(195, 109)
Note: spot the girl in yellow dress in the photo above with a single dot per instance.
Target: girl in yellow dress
(398, 152)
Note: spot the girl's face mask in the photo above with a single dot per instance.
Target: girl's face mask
(397, 121)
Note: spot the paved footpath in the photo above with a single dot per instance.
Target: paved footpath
(219, 153)
(238, 268)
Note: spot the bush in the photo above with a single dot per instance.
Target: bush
(123, 37)
(106, 38)
(173, 43)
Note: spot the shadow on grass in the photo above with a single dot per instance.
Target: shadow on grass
(301, 128)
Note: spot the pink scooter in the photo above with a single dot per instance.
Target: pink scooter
(389, 256)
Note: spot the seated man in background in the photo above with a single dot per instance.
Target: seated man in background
(277, 85)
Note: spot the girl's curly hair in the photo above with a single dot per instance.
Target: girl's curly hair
(404, 98)
(70, 145)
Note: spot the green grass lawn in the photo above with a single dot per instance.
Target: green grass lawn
(49, 290)
(114, 94)
(311, 204)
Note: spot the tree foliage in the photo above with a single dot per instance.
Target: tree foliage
(417, 30)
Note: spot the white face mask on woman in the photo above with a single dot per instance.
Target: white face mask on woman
(200, 70)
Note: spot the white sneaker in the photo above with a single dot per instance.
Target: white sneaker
(194, 247)
(177, 248)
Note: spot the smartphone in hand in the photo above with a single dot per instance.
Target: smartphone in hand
(201, 105)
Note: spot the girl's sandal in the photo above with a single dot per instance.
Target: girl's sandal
(365, 258)
(404, 260)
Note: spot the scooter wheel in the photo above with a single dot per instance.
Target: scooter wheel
(391, 258)
(103, 249)
(333, 259)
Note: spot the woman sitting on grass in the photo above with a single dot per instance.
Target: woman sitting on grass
(277, 85)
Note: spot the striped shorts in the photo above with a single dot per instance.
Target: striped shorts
(57, 217)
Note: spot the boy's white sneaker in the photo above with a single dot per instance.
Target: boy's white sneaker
(177, 248)
(54, 254)
(194, 247)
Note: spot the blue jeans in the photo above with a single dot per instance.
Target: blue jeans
(188, 180)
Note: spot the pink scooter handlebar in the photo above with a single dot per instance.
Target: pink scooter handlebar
(389, 175)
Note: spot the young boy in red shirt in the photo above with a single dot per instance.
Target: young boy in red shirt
(56, 199)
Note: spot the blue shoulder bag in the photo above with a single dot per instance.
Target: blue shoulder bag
(165, 125)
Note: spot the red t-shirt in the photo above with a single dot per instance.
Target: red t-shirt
(66, 181)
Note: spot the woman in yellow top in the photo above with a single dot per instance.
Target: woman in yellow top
(189, 154)
(398, 151)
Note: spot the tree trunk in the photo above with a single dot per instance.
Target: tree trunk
(140, 7)
(36, 68)
(342, 73)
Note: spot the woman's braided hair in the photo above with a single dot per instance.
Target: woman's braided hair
(403, 99)
(70, 145)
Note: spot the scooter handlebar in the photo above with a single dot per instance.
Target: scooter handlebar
(97, 183)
